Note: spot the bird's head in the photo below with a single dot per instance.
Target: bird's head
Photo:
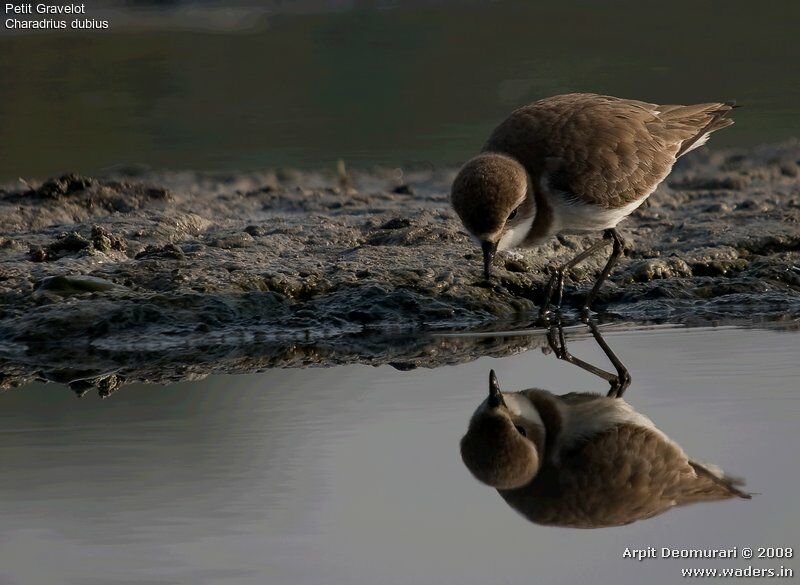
(492, 197)
(504, 440)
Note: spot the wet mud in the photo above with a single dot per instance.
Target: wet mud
(141, 261)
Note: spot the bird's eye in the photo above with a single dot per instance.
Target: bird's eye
(521, 430)
(513, 214)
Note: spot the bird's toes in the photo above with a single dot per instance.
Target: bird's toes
(546, 313)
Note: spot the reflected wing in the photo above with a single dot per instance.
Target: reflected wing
(621, 475)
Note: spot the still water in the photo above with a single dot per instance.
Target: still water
(199, 86)
(353, 475)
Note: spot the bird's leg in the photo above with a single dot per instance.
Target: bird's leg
(557, 342)
(623, 377)
(556, 283)
(616, 251)
(554, 340)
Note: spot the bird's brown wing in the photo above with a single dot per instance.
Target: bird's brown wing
(621, 475)
(603, 150)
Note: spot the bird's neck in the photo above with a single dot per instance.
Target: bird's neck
(542, 221)
(552, 420)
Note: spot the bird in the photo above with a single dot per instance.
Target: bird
(584, 459)
(574, 163)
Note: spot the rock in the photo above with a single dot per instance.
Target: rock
(657, 268)
(104, 241)
(67, 243)
(108, 385)
(396, 223)
(65, 185)
(404, 189)
(70, 243)
(518, 264)
(8, 244)
(720, 207)
(240, 240)
(76, 284)
(714, 261)
(255, 231)
(37, 254)
(752, 205)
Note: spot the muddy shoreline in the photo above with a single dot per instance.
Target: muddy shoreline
(140, 260)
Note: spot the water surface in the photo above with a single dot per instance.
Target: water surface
(384, 83)
(353, 474)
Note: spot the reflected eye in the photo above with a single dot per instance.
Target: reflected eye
(513, 214)
(521, 430)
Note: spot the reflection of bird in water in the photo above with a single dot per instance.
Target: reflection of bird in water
(583, 460)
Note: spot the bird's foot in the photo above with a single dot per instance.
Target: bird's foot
(546, 314)
(550, 311)
(620, 384)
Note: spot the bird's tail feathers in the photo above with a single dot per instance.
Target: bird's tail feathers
(698, 119)
(720, 478)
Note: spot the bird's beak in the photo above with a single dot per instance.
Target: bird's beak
(489, 248)
(495, 396)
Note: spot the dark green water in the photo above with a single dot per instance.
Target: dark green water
(397, 86)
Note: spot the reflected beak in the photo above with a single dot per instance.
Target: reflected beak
(489, 249)
(495, 396)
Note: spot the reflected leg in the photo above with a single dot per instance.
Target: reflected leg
(623, 378)
(619, 382)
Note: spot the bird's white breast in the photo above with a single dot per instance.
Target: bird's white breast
(570, 215)
(513, 237)
(586, 419)
(521, 406)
